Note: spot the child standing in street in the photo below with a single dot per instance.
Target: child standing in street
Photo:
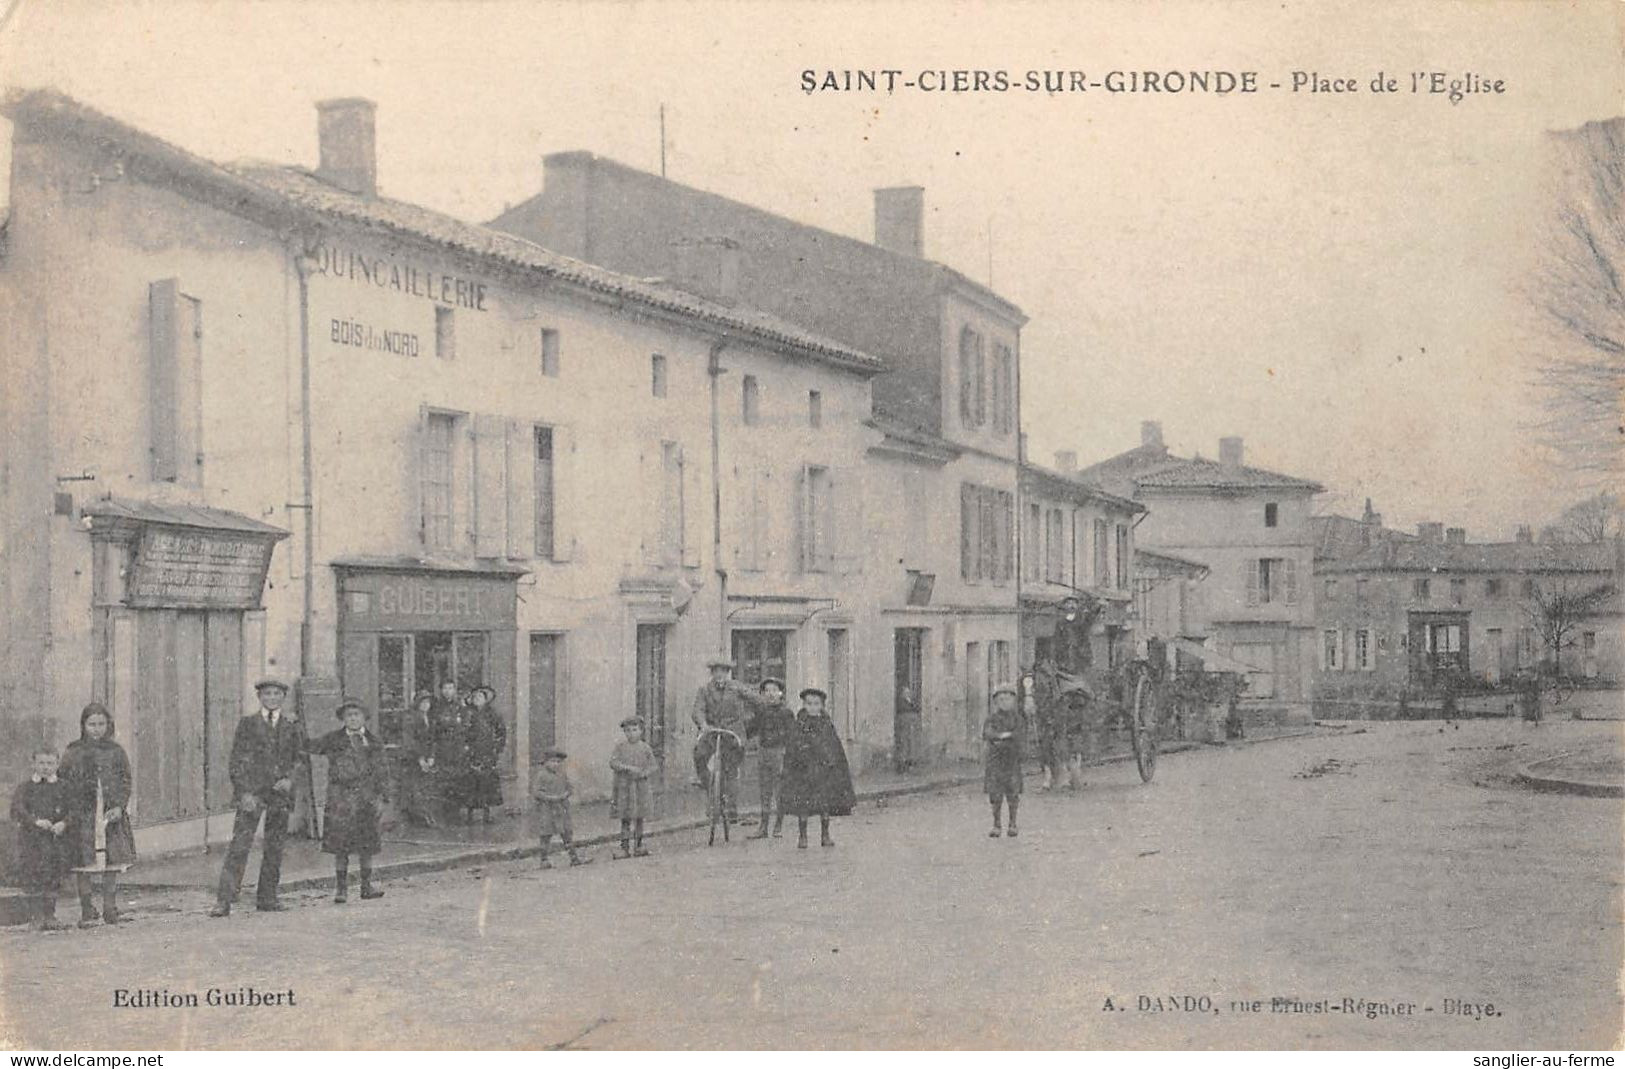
(633, 762)
(99, 840)
(40, 808)
(1001, 778)
(552, 791)
(357, 781)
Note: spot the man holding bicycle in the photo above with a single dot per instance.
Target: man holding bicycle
(726, 704)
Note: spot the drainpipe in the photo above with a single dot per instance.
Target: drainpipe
(304, 263)
(716, 372)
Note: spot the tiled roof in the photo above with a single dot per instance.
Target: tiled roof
(1075, 485)
(907, 437)
(260, 186)
(1340, 537)
(1172, 558)
(1418, 556)
(1202, 474)
(112, 508)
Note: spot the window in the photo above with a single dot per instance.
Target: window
(1361, 590)
(1055, 546)
(998, 668)
(972, 375)
(445, 334)
(752, 401)
(174, 384)
(439, 484)
(817, 521)
(1494, 588)
(1528, 588)
(1102, 552)
(1270, 514)
(986, 533)
(671, 503)
(1031, 544)
(1364, 656)
(1526, 647)
(550, 352)
(1123, 560)
(1272, 581)
(394, 684)
(1331, 650)
(657, 375)
(760, 655)
(544, 492)
(1331, 590)
(815, 408)
(1003, 389)
(1458, 591)
(1420, 589)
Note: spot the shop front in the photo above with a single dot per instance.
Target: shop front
(408, 627)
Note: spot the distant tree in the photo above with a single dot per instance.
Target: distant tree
(1579, 291)
(1598, 518)
(1557, 608)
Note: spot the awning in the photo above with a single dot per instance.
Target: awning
(112, 512)
(1212, 660)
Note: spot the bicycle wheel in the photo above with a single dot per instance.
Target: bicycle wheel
(714, 799)
(1142, 720)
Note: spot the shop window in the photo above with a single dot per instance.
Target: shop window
(550, 352)
(760, 655)
(394, 684)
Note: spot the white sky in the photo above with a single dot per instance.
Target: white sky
(1331, 277)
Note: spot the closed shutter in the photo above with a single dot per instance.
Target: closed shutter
(967, 531)
(803, 522)
(1290, 567)
(521, 490)
(1250, 578)
(649, 519)
(566, 493)
(163, 298)
(694, 510)
(420, 457)
(490, 483)
(830, 541)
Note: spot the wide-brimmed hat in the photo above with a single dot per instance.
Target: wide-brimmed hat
(632, 720)
(347, 704)
(773, 680)
(1005, 688)
(807, 691)
(270, 682)
(719, 661)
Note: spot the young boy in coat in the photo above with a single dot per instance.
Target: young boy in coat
(633, 762)
(40, 808)
(1003, 732)
(552, 791)
(357, 781)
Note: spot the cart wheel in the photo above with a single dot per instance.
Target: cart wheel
(1143, 727)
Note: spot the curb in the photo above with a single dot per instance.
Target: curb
(1526, 776)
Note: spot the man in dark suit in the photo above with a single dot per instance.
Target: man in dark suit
(265, 753)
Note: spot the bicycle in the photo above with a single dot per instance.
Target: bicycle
(716, 775)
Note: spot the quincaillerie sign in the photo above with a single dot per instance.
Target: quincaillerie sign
(189, 568)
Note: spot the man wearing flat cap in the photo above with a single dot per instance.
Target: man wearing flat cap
(722, 703)
(266, 752)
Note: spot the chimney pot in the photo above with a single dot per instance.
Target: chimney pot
(1150, 432)
(900, 219)
(346, 134)
(1230, 452)
(1066, 461)
(708, 267)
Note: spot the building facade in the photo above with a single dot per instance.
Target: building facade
(942, 627)
(1250, 528)
(306, 430)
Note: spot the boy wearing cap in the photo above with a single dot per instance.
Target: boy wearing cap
(1001, 778)
(633, 762)
(357, 780)
(771, 726)
(722, 703)
(552, 790)
(266, 751)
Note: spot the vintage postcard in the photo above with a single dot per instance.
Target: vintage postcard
(919, 524)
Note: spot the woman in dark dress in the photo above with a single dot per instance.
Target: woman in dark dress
(487, 735)
(357, 781)
(100, 840)
(450, 715)
(816, 777)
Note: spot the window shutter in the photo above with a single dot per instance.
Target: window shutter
(490, 480)
(693, 508)
(967, 532)
(566, 493)
(1291, 567)
(420, 456)
(649, 523)
(1251, 568)
(521, 490)
(163, 299)
(801, 521)
(834, 542)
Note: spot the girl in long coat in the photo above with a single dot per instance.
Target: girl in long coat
(1003, 732)
(816, 777)
(357, 781)
(97, 772)
(487, 735)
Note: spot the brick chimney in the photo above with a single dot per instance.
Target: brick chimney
(1066, 461)
(1430, 532)
(900, 219)
(1230, 452)
(1150, 433)
(1526, 534)
(349, 155)
(1455, 536)
(708, 267)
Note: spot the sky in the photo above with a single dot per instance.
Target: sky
(1335, 277)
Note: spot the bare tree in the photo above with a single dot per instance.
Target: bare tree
(1599, 518)
(1557, 608)
(1579, 289)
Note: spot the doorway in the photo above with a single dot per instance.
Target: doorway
(651, 684)
(544, 695)
(908, 726)
(760, 655)
(841, 710)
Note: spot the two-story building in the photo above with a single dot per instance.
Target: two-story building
(941, 627)
(1250, 528)
(265, 419)
(1416, 615)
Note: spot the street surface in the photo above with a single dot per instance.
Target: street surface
(1397, 866)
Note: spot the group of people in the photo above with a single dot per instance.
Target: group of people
(801, 765)
(450, 751)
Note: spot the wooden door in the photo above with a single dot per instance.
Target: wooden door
(651, 684)
(841, 707)
(169, 735)
(544, 693)
(223, 686)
